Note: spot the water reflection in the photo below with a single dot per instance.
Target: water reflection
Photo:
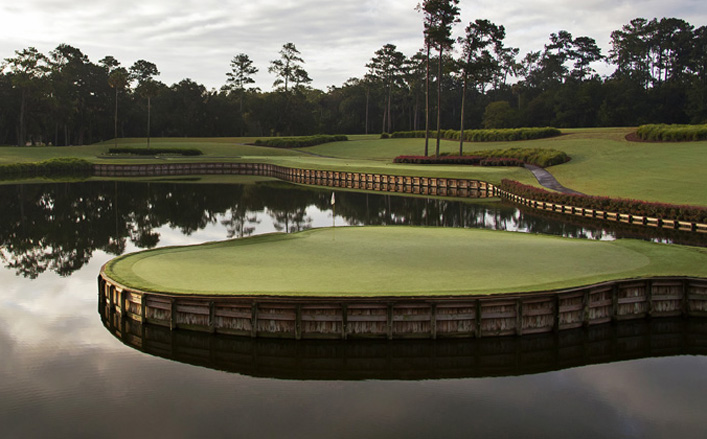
(414, 359)
(58, 227)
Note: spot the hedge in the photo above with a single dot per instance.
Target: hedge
(619, 205)
(672, 133)
(496, 157)
(458, 160)
(495, 135)
(535, 156)
(71, 166)
(155, 151)
(299, 142)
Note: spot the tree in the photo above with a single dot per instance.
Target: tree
(287, 69)
(386, 69)
(143, 71)
(26, 70)
(440, 15)
(241, 74)
(476, 61)
(117, 79)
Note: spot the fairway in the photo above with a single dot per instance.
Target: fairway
(398, 261)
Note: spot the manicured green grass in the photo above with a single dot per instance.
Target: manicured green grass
(398, 261)
(603, 162)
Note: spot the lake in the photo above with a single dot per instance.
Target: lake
(70, 370)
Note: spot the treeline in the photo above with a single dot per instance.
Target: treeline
(660, 76)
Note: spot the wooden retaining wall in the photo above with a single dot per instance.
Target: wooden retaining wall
(635, 220)
(432, 186)
(418, 317)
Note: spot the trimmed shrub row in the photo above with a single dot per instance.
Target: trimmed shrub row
(495, 135)
(69, 166)
(155, 151)
(619, 205)
(299, 142)
(458, 160)
(534, 156)
(672, 133)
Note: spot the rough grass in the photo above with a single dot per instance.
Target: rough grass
(398, 261)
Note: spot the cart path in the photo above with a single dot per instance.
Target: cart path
(548, 180)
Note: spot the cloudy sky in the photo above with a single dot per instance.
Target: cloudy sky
(197, 38)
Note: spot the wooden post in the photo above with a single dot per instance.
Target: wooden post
(649, 297)
(685, 298)
(519, 317)
(433, 320)
(212, 317)
(344, 321)
(614, 301)
(143, 302)
(556, 325)
(390, 321)
(585, 308)
(254, 320)
(298, 322)
(478, 318)
(172, 314)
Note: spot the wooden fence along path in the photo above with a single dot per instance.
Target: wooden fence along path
(411, 317)
(432, 186)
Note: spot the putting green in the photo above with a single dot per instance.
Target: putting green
(396, 261)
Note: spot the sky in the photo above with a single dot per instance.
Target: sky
(197, 39)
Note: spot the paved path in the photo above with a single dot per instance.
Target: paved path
(547, 180)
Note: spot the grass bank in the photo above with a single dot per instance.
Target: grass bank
(398, 261)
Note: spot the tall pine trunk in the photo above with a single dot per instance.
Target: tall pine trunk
(427, 101)
(439, 100)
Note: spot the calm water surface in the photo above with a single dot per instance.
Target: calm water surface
(63, 373)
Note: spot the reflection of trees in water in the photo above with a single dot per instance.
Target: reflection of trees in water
(57, 227)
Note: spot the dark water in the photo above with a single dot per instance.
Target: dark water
(64, 374)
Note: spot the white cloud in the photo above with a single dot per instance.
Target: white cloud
(197, 38)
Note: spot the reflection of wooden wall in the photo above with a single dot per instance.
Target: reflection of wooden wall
(417, 317)
(446, 187)
(415, 359)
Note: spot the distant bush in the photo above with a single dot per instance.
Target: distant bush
(458, 160)
(155, 151)
(496, 135)
(63, 166)
(619, 205)
(299, 142)
(385, 136)
(535, 156)
(672, 133)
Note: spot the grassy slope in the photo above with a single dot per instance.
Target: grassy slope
(399, 261)
(603, 162)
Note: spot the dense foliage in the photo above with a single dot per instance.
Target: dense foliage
(618, 205)
(299, 142)
(458, 160)
(494, 157)
(155, 151)
(62, 166)
(660, 76)
(535, 156)
(672, 133)
(496, 135)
